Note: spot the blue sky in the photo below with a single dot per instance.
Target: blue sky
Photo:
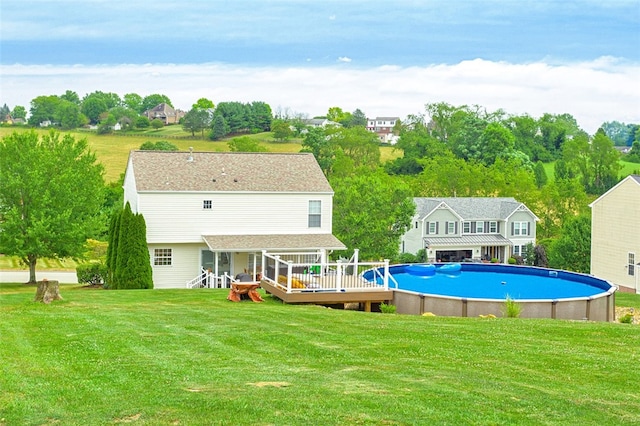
(386, 58)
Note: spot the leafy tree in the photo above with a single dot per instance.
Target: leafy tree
(617, 132)
(153, 101)
(133, 101)
(196, 120)
(51, 191)
(107, 124)
(71, 96)
(371, 211)
(496, 141)
(19, 112)
(281, 130)
(68, 115)
(236, 116)
(43, 108)
(540, 174)
(158, 146)
(93, 106)
(572, 250)
(203, 103)
(358, 144)
(634, 154)
(603, 158)
(317, 142)
(245, 144)
(335, 114)
(219, 128)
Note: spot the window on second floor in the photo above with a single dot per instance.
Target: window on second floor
(315, 213)
(466, 227)
(479, 227)
(207, 204)
(493, 227)
(520, 228)
(451, 227)
(433, 228)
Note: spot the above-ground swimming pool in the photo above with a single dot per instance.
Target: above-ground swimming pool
(472, 289)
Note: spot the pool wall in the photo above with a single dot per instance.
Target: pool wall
(600, 307)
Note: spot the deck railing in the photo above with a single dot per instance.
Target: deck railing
(207, 279)
(338, 276)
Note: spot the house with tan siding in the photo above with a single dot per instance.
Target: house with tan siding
(615, 235)
(217, 211)
(470, 228)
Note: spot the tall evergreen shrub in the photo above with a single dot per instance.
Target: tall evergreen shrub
(130, 261)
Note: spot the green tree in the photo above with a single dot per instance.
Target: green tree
(132, 261)
(245, 144)
(317, 142)
(93, 106)
(219, 128)
(203, 103)
(142, 122)
(361, 146)
(153, 101)
(4, 111)
(43, 108)
(19, 112)
(68, 115)
(133, 101)
(358, 118)
(261, 116)
(603, 158)
(371, 211)
(196, 120)
(540, 174)
(572, 250)
(156, 123)
(281, 130)
(71, 96)
(51, 192)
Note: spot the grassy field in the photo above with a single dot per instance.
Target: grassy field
(189, 357)
(113, 150)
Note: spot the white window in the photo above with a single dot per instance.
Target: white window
(207, 204)
(466, 227)
(517, 250)
(632, 263)
(162, 257)
(451, 227)
(493, 227)
(479, 227)
(520, 228)
(433, 227)
(315, 213)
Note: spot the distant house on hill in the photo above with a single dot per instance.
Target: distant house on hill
(164, 112)
(383, 127)
(319, 122)
(615, 235)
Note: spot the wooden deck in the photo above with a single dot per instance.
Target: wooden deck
(322, 295)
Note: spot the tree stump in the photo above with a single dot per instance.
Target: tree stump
(48, 291)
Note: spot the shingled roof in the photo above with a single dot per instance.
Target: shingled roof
(470, 208)
(227, 171)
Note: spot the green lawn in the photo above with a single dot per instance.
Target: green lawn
(189, 357)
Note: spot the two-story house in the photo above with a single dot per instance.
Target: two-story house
(384, 128)
(457, 229)
(217, 211)
(164, 112)
(615, 235)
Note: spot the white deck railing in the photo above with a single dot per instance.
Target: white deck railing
(207, 279)
(281, 271)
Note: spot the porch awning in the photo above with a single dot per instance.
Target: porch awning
(273, 242)
(467, 240)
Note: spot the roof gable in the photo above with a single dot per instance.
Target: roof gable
(226, 171)
(630, 178)
(472, 208)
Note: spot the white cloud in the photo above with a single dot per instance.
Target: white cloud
(344, 59)
(593, 92)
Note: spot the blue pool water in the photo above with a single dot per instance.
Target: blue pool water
(491, 281)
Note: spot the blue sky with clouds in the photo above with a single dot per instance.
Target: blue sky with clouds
(386, 58)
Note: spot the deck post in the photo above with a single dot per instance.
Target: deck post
(289, 276)
(339, 275)
(385, 279)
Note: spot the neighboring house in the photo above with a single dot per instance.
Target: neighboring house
(615, 235)
(457, 229)
(319, 122)
(383, 127)
(219, 210)
(164, 112)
